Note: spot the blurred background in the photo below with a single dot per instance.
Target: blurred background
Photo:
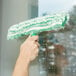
(15, 11)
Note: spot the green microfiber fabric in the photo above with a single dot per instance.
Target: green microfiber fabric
(37, 25)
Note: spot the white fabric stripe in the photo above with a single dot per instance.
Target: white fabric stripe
(41, 19)
(35, 28)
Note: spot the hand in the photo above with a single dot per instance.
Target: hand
(30, 48)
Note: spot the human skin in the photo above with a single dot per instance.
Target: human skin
(28, 52)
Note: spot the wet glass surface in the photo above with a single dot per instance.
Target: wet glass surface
(57, 55)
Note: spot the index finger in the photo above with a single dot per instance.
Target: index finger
(33, 38)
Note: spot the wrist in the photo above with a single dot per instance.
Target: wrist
(23, 60)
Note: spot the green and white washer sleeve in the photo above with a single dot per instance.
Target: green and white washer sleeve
(37, 25)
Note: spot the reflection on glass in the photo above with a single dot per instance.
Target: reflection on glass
(54, 56)
(57, 56)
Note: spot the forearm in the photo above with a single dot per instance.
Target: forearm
(21, 67)
(28, 52)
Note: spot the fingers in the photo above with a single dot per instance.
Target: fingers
(34, 41)
(37, 51)
(35, 54)
(33, 38)
(38, 45)
(31, 46)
